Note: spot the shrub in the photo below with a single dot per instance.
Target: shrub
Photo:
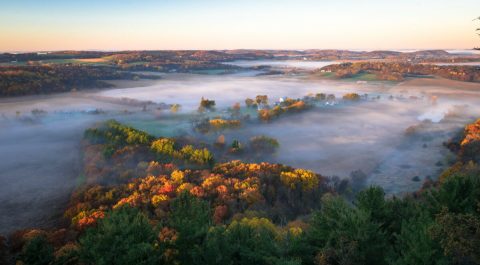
(263, 144)
(351, 97)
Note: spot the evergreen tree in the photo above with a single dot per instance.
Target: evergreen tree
(124, 236)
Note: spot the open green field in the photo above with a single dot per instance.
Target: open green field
(168, 126)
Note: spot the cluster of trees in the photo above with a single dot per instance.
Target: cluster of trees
(257, 148)
(397, 71)
(115, 136)
(29, 80)
(221, 124)
(288, 106)
(324, 97)
(300, 178)
(231, 189)
(168, 150)
(207, 125)
(116, 153)
(260, 101)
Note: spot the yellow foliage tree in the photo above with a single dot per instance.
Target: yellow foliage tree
(306, 179)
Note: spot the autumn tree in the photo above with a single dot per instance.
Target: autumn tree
(206, 105)
(351, 97)
(459, 236)
(261, 100)
(250, 102)
(300, 178)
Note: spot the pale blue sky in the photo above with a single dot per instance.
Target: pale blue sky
(214, 24)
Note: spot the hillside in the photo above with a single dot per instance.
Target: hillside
(209, 213)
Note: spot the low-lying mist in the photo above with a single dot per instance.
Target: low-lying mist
(187, 89)
(395, 136)
(307, 65)
(40, 156)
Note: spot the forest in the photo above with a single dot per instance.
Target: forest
(398, 71)
(178, 206)
(47, 79)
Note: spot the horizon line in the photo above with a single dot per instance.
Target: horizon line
(235, 49)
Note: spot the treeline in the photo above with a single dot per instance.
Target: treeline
(33, 80)
(268, 112)
(260, 213)
(396, 71)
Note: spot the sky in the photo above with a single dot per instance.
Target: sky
(48, 25)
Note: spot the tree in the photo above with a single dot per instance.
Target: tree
(163, 147)
(415, 244)
(236, 147)
(341, 234)
(191, 218)
(351, 96)
(124, 236)
(459, 194)
(248, 241)
(250, 102)
(372, 201)
(236, 110)
(202, 157)
(320, 96)
(206, 104)
(67, 255)
(37, 252)
(261, 100)
(175, 108)
(300, 178)
(459, 236)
